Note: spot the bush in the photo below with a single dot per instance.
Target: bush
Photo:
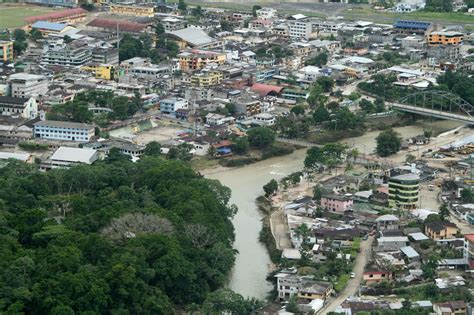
(276, 150)
(32, 146)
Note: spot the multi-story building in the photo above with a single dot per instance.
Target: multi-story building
(18, 106)
(198, 59)
(173, 24)
(248, 107)
(133, 10)
(105, 55)
(450, 308)
(468, 253)
(100, 71)
(27, 85)
(150, 72)
(266, 13)
(439, 230)
(410, 27)
(69, 16)
(300, 29)
(444, 38)
(403, 191)
(169, 106)
(68, 55)
(63, 130)
(290, 284)
(336, 203)
(48, 28)
(6, 50)
(377, 276)
(207, 79)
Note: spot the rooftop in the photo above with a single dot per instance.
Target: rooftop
(13, 100)
(193, 35)
(55, 15)
(64, 124)
(68, 154)
(51, 26)
(124, 26)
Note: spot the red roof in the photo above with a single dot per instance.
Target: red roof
(55, 15)
(265, 89)
(469, 237)
(124, 26)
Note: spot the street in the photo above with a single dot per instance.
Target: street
(354, 283)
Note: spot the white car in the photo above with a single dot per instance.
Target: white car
(353, 274)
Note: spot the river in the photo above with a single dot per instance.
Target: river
(252, 263)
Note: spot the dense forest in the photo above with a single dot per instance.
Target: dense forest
(113, 238)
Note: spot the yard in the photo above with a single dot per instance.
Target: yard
(12, 16)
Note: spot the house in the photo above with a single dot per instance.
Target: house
(391, 243)
(336, 203)
(27, 85)
(377, 276)
(65, 157)
(169, 106)
(439, 230)
(223, 148)
(450, 308)
(313, 290)
(387, 222)
(290, 284)
(410, 253)
(18, 107)
(468, 253)
(25, 157)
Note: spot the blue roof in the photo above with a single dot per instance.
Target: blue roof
(412, 24)
(49, 26)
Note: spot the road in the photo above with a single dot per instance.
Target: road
(353, 284)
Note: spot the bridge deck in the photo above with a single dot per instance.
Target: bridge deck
(433, 113)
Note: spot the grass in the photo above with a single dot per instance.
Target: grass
(12, 16)
(389, 17)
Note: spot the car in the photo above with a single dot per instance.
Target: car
(353, 274)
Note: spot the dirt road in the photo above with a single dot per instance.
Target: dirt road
(354, 283)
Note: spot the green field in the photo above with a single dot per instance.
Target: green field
(12, 16)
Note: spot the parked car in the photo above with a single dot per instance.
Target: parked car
(353, 274)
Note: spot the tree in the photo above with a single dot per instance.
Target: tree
(326, 83)
(320, 114)
(410, 158)
(36, 34)
(292, 305)
(67, 39)
(19, 35)
(319, 60)
(240, 145)
(467, 195)
(439, 6)
(226, 26)
(153, 148)
(182, 6)
(367, 106)
(88, 6)
(196, 11)
(226, 301)
(388, 143)
(270, 188)
(443, 212)
(159, 29)
(379, 105)
(254, 9)
(297, 110)
(261, 137)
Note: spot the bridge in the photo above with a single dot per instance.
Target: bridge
(438, 104)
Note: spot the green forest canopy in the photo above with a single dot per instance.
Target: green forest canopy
(116, 237)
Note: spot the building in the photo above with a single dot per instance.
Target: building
(169, 106)
(105, 56)
(133, 10)
(110, 26)
(336, 203)
(69, 16)
(315, 290)
(149, 72)
(391, 243)
(198, 59)
(6, 50)
(263, 119)
(100, 71)
(444, 38)
(24, 157)
(450, 308)
(18, 107)
(377, 276)
(65, 157)
(27, 85)
(403, 191)
(68, 55)
(300, 29)
(193, 37)
(290, 284)
(441, 230)
(266, 13)
(213, 119)
(387, 222)
(468, 253)
(411, 27)
(207, 79)
(63, 130)
(173, 23)
(46, 28)
(248, 107)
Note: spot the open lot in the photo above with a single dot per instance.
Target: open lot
(11, 16)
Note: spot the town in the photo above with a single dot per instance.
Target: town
(354, 136)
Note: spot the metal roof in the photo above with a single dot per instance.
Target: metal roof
(409, 252)
(63, 124)
(45, 25)
(193, 35)
(56, 15)
(68, 154)
(412, 24)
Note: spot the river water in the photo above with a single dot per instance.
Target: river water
(252, 263)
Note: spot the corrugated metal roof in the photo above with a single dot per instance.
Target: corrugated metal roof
(412, 24)
(55, 15)
(409, 252)
(124, 26)
(193, 35)
(68, 154)
(45, 25)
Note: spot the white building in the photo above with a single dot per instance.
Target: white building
(266, 13)
(65, 157)
(27, 85)
(63, 130)
(18, 107)
(264, 119)
(300, 29)
(169, 106)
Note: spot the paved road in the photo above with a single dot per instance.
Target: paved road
(353, 284)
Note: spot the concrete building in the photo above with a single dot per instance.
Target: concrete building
(198, 59)
(336, 203)
(6, 50)
(391, 243)
(207, 79)
(403, 191)
(468, 253)
(132, 10)
(377, 276)
(46, 28)
(290, 284)
(67, 55)
(169, 106)
(100, 71)
(173, 24)
(300, 29)
(63, 130)
(387, 222)
(105, 56)
(65, 157)
(266, 13)
(18, 107)
(69, 16)
(27, 85)
(444, 38)
(450, 308)
(441, 230)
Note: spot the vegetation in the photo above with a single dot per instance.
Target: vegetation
(439, 6)
(467, 195)
(319, 60)
(261, 137)
(388, 143)
(131, 46)
(114, 237)
(270, 188)
(330, 155)
(32, 146)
